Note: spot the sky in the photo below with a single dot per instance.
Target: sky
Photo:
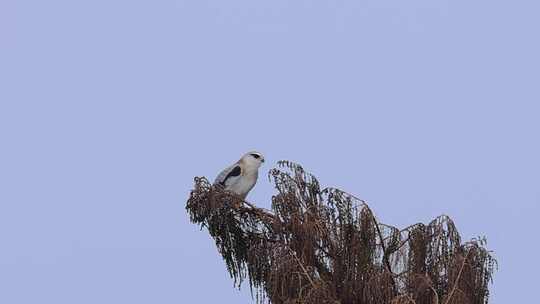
(108, 109)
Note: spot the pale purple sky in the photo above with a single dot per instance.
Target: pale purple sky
(108, 109)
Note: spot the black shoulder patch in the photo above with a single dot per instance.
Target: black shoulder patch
(234, 172)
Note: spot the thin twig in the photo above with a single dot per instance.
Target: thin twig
(458, 277)
(385, 255)
(436, 295)
(302, 266)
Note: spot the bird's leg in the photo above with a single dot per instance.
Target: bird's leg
(237, 203)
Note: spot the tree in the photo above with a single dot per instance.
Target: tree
(326, 246)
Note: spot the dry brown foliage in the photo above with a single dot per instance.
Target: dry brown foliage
(322, 246)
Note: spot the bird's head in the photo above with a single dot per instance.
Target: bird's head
(253, 159)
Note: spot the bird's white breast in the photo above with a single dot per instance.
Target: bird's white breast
(244, 184)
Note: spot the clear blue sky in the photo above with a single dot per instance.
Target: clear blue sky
(108, 109)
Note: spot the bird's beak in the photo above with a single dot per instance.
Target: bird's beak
(262, 160)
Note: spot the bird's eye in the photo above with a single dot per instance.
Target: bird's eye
(257, 156)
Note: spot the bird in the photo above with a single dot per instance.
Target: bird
(241, 176)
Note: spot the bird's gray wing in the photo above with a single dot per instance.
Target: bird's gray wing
(228, 176)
